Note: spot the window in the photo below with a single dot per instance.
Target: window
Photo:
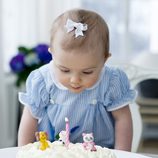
(132, 23)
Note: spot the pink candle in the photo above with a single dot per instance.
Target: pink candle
(67, 132)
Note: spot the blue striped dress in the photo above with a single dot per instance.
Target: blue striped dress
(88, 111)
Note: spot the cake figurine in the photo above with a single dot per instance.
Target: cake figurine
(42, 138)
(88, 143)
(62, 137)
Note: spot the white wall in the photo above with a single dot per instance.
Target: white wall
(3, 107)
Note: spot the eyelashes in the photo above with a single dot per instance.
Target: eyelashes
(84, 72)
(88, 72)
(66, 71)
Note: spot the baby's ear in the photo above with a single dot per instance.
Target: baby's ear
(106, 56)
(49, 50)
(109, 55)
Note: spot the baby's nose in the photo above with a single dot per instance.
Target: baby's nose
(75, 79)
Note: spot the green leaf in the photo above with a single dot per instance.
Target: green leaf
(57, 136)
(23, 50)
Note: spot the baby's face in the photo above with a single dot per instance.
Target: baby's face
(77, 71)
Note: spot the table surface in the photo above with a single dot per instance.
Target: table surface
(11, 153)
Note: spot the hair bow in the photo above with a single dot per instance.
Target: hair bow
(79, 27)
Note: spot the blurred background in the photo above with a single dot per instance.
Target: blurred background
(133, 35)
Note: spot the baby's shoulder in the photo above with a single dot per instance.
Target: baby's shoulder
(40, 76)
(113, 73)
(113, 70)
(44, 71)
(112, 76)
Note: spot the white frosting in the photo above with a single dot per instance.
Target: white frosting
(57, 150)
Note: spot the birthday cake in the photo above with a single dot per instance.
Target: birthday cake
(63, 148)
(56, 150)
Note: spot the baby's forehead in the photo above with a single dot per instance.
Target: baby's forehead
(83, 44)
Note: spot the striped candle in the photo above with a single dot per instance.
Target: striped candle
(67, 132)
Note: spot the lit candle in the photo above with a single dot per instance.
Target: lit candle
(67, 132)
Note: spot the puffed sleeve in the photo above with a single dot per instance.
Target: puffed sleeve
(119, 92)
(36, 96)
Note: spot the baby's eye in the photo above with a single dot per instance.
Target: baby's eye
(64, 70)
(88, 72)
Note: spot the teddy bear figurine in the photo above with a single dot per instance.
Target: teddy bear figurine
(42, 138)
(89, 142)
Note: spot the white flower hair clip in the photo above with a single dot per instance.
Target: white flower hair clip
(78, 27)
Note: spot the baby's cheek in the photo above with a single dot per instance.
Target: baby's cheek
(63, 80)
(91, 82)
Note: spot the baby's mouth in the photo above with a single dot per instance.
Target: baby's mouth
(75, 87)
(78, 87)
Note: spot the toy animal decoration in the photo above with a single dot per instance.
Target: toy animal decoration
(89, 142)
(62, 137)
(42, 137)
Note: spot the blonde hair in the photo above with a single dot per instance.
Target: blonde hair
(95, 37)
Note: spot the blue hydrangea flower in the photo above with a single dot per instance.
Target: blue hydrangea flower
(17, 63)
(43, 54)
(27, 60)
